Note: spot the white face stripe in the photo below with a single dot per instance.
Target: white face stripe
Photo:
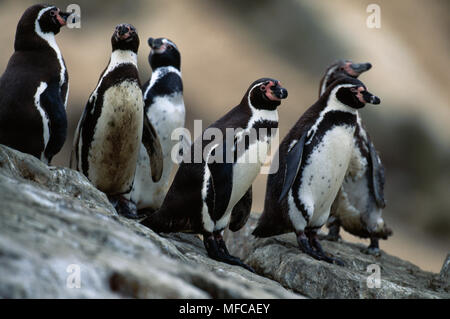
(45, 120)
(260, 115)
(158, 74)
(325, 80)
(167, 41)
(250, 94)
(118, 57)
(50, 39)
(333, 104)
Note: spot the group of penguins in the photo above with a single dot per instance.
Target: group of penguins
(329, 171)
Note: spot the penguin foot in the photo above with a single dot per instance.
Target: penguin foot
(125, 207)
(333, 232)
(217, 250)
(331, 237)
(374, 248)
(376, 252)
(305, 247)
(326, 256)
(311, 246)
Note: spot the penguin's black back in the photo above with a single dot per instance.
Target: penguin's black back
(33, 61)
(20, 122)
(182, 206)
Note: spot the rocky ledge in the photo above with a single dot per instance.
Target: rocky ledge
(61, 238)
(363, 276)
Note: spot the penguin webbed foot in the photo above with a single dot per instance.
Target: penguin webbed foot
(373, 249)
(217, 250)
(333, 230)
(309, 244)
(125, 207)
(333, 235)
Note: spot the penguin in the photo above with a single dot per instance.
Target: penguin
(113, 127)
(313, 160)
(212, 189)
(359, 204)
(164, 108)
(35, 86)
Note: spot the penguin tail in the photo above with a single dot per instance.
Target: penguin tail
(160, 222)
(265, 229)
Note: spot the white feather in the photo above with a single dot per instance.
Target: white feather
(49, 37)
(45, 120)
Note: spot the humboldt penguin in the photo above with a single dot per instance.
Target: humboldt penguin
(35, 86)
(212, 189)
(164, 108)
(113, 126)
(314, 157)
(359, 204)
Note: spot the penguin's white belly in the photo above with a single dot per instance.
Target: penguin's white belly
(323, 175)
(117, 139)
(245, 170)
(351, 201)
(166, 115)
(356, 208)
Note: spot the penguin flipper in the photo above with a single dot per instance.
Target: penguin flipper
(53, 105)
(74, 156)
(241, 211)
(222, 185)
(293, 162)
(153, 146)
(378, 178)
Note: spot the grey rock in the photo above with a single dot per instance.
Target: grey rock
(280, 259)
(445, 272)
(54, 223)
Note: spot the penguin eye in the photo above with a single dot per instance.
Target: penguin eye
(354, 90)
(53, 13)
(262, 88)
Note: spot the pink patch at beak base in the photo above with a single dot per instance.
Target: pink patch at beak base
(269, 93)
(349, 69)
(360, 96)
(61, 21)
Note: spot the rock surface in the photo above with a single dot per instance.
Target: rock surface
(54, 226)
(279, 258)
(53, 222)
(445, 272)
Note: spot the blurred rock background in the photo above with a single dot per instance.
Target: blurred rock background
(227, 44)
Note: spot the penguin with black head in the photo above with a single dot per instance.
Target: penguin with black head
(113, 126)
(360, 201)
(35, 85)
(164, 108)
(214, 192)
(313, 160)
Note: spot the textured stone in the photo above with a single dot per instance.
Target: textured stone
(445, 272)
(52, 218)
(280, 259)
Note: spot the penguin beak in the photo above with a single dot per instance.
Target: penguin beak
(370, 98)
(125, 32)
(122, 31)
(62, 17)
(279, 92)
(156, 45)
(359, 68)
(151, 42)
